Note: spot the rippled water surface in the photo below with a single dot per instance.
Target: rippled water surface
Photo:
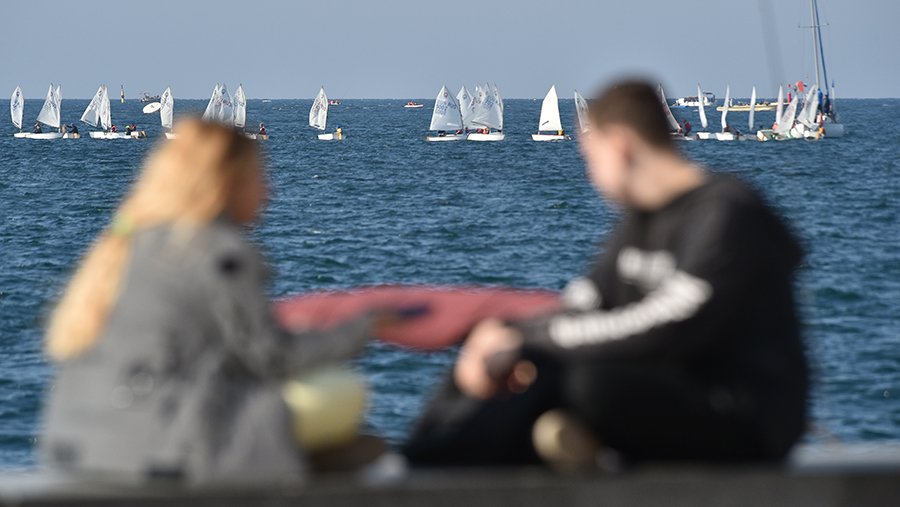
(385, 206)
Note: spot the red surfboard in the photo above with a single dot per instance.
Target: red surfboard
(449, 312)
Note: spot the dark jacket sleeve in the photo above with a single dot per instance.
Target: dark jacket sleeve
(724, 251)
(249, 330)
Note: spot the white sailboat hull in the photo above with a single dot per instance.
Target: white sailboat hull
(726, 136)
(493, 136)
(441, 139)
(171, 135)
(115, 135)
(705, 136)
(46, 136)
(71, 135)
(250, 135)
(21, 135)
(548, 137)
(331, 137)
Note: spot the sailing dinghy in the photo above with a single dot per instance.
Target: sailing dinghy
(581, 112)
(701, 109)
(16, 109)
(318, 118)
(445, 117)
(240, 113)
(167, 112)
(550, 121)
(769, 134)
(487, 107)
(49, 115)
(97, 113)
(726, 134)
(675, 129)
(219, 108)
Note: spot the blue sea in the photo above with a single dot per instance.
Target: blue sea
(386, 207)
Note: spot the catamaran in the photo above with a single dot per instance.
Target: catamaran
(487, 114)
(550, 121)
(16, 109)
(318, 118)
(446, 117)
(49, 116)
(581, 112)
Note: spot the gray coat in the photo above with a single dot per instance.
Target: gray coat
(185, 379)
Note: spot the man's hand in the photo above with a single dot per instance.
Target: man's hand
(490, 338)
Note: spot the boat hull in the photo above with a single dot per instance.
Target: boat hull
(417, 106)
(548, 137)
(21, 135)
(118, 135)
(46, 136)
(726, 136)
(745, 109)
(171, 135)
(441, 139)
(705, 136)
(71, 135)
(493, 136)
(331, 137)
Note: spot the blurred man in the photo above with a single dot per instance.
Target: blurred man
(682, 341)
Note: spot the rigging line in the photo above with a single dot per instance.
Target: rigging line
(771, 42)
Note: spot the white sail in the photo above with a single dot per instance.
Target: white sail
(807, 115)
(49, 114)
(752, 107)
(91, 114)
(786, 122)
(105, 113)
(167, 108)
(240, 107)
(225, 107)
(725, 108)
(701, 108)
(496, 92)
(318, 113)
(17, 107)
(673, 123)
(464, 100)
(487, 109)
(210, 112)
(446, 114)
(581, 111)
(779, 107)
(550, 112)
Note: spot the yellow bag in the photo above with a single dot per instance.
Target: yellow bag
(328, 405)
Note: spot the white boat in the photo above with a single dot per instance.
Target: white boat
(446, 117)
(701, 110)
(16, 110)
(318, 118)
(219, 108)
(49, 116)
(674, 128)
(770, 134)
(167, 113)
(582, 113)
(725, 134)
(413, 105)
(487, 114)
(702, 99)
(550, 121)
(97, 113)
(240, 111)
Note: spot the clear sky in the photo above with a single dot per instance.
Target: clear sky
(408, 48)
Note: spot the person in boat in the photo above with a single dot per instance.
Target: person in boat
(37, 128)
(339, 132)
(169, 360)
(442, 133)
(262, 129)
(72, 129)
(459, 131)
(687, 127)
(682, 342)
(128, 129)
(113, 128)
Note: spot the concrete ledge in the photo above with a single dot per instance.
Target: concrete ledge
(815, 476)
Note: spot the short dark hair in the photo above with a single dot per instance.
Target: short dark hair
(633, 104)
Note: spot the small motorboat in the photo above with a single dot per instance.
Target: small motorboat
(146, 97)
(334, 102)
(413, 105)
(708, 99)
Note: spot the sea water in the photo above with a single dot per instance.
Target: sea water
(384, 206)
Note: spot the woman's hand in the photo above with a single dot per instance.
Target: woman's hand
(491, 341)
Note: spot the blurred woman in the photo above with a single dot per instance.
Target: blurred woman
(169, 361)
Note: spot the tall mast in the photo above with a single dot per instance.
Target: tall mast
(814, 28)
(821, 48)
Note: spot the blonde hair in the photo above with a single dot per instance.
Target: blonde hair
(186, 182)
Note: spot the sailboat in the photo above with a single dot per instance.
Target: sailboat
(806, 126)
(16, 109)
(219, 108)
(769, 134)
(445, 117)
(581, 112)
(240, 113)
(97, 113)
(830, 122)
(167, 112)
(487, 114)
(464, 100)
(674, 128)
(50, 115)
(750, 125)
(318, 117)
(701, 109)
(786, 121)
(550, 121)
(726, 134)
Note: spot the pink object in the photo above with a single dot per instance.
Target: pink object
(450, 312)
